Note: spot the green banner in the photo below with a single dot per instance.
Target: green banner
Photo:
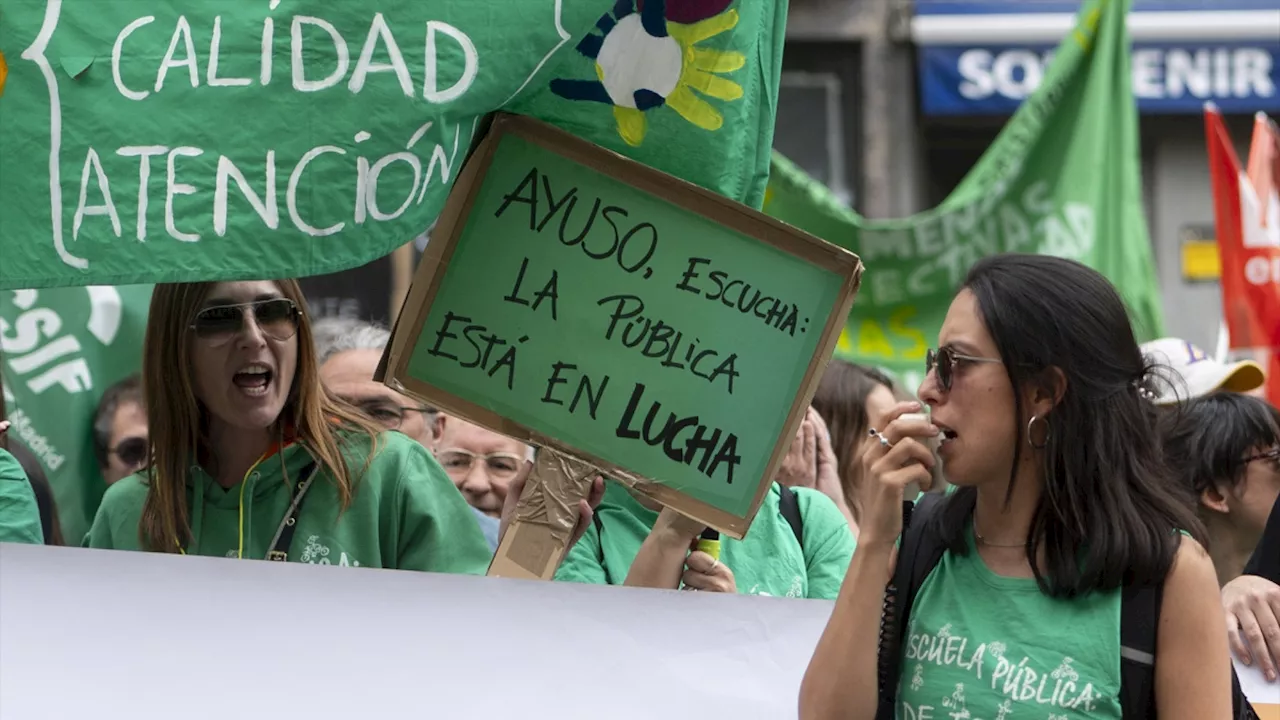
(686, 86)
(222, 139)
(1062, 178)
(61, 349)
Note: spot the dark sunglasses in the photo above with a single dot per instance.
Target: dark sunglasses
(277, 318)
(131, 451)
(944, 360)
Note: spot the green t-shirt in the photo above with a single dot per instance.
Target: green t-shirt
(980, 645)
(768, 562)
(19, 513)
(405, 513)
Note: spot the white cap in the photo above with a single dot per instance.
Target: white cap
(1200, 373)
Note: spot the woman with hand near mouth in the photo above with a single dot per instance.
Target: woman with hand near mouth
(251, 457)
(1043, 403)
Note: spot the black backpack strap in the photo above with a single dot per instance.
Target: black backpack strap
(595, 520)
(918, 553)
(789, 506)
(1139, 627)
(1139, 620)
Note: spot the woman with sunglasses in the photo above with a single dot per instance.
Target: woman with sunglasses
(1041, 401)
(251, 458)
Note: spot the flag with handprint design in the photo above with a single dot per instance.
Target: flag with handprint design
(686, 86)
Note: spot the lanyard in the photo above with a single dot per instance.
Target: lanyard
(279, 550)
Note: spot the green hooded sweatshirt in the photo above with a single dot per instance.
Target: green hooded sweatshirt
(770, 561)
(19, 514)
(405, 513)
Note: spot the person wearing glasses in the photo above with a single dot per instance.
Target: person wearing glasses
(252, 458)
(1044, 408)
(349, 351)
(481, 463)
(1224, 449)
(120, 430)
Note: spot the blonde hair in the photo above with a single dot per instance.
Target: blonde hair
(178, 422)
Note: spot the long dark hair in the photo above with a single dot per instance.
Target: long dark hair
(1109, 513)
(1208, 438)
(841, 400)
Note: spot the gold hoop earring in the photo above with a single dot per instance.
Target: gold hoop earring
(1030, 431)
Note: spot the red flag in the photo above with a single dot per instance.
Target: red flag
(1247, 214)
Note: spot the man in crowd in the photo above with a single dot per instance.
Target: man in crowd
(349, 351)
(120, 430)
(482, 463)
(477, 460)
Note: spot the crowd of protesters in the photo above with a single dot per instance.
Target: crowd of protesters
(985, 540)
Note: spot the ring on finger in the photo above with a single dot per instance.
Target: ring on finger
(884, 441)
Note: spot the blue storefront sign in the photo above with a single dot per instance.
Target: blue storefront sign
(984, 58)
(1167, 78)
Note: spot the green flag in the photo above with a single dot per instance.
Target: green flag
(686, 86)
(61, 349)
(1062, 178)
(225, 139)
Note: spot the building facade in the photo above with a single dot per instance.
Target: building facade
(912, 94)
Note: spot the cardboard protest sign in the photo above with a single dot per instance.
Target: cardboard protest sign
(228, 139)
(591, 305)
(1063, 178)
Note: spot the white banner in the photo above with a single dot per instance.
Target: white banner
(109, 634)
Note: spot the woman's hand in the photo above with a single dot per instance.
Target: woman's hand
(676, 528)
(4, 427)
(1252, 605)
(888, 470)
(828, 480)
(800, 465)
(703, 572)
(660, 561)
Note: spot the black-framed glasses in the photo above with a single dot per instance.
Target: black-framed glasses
(459, 461)
(944, 360)
(132, 451)
(387, 413)
(276, 317)
(1272, 455)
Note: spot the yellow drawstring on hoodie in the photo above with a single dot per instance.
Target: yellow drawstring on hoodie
(240, 529)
